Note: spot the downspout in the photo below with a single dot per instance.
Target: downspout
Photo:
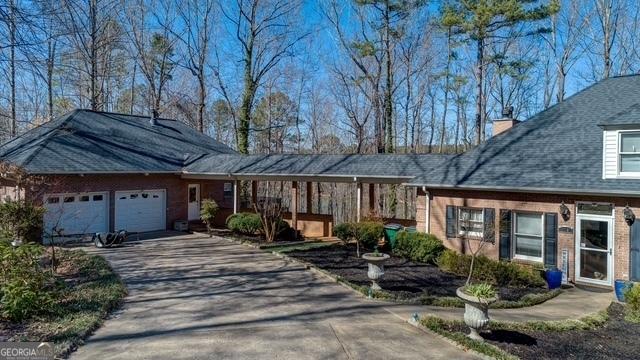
(427, 210)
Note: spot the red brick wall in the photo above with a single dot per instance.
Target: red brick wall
(174, 186)
(528, 202)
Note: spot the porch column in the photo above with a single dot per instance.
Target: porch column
(358, 201)
(372, 199)
(236, 196)
(294, 205)
(254, 192)
(309, 197)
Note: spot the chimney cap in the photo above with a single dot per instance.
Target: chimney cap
(507, 112)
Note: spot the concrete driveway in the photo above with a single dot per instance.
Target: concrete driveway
(192, 297)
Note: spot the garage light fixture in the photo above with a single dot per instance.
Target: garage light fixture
(629, 216)
(564, 211)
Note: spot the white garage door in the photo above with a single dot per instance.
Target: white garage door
(139, 211)
(82, 213)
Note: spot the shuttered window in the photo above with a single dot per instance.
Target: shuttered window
(470, 222)
(528, 235)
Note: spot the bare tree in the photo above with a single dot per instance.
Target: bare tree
(154, 53)
(265, 33)
(196, 20)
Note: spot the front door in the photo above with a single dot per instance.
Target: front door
(194, 201)
(594, 249)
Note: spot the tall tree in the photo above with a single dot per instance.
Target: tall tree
(154, 52)
(482, 20)
(92, 29)
(196, 21)
(265, 33)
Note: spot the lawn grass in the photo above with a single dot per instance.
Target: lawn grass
(442, 327)
(589, 322)
(452, 329)
(90, 292)
(298, 247)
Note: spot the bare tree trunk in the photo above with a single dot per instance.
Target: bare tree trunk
(93, 53)
(12, 65)
(446, 92)
(480, 94)
(133, 88)
(388, 100)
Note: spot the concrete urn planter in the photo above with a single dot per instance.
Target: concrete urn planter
(376, 267)
(476, 312)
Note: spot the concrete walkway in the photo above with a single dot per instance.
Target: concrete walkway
(574, 303)
(192, 297)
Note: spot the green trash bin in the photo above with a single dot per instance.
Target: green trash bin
(390, 233)
(410, 229)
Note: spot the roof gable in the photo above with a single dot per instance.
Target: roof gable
(91, 141)
(558, 149)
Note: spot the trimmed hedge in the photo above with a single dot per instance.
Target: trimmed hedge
(21, 219)
(499, 273)
(418, 246)
(343, 231)
(632, 297)
(244, 223)
(366, 233)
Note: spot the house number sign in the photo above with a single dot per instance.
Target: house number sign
(565, 266)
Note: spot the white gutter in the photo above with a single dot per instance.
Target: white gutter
(562, 191)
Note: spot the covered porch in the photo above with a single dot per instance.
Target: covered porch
(310, 200)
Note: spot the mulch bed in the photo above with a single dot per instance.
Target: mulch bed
(617, 339)
(403, 277)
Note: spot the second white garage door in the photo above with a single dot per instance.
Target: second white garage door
(139, 211)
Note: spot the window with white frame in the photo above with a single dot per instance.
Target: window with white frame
(629, 152)
(470, 222)
(528, 230)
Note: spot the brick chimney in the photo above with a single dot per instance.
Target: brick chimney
(506, 122)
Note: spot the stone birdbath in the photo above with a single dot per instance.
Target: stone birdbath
(376, 267)
(476, 312)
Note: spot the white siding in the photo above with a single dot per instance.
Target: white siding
(610, 158)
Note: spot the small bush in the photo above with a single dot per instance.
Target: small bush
(21, 219)
(481, 290)
(244, 223)
(632, 297)
(499, 273)
(286, 232)
(25, 287)
(208, 213)
(368, 233)
(344, 232)
(419, 247)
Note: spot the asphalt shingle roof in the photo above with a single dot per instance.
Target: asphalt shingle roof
(85, 141)
(354, 165)
(557, 150)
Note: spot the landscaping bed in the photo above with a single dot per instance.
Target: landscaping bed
(604, 336)
(409, 281)
(83, 291)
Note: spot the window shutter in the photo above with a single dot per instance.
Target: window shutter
(550, 239)
(489, 231)
(452, 223)
(505, 234)
(634, 232)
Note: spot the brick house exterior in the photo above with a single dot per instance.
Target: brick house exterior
(581, 155)
(527, 202)
(176, 190)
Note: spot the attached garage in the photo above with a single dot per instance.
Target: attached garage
(140, 210)
(82, 213)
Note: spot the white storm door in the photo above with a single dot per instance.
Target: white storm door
(194, 201)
